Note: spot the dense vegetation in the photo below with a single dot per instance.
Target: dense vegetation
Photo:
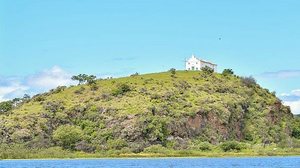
(183, 111)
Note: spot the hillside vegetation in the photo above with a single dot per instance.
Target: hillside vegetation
(175, 110)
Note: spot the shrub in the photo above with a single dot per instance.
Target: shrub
(173, 71)
(79, 91)
(105, 97)
(54, 106)
(39, 98)
(296, 128)
(6, 106)
(227, 72)
(121, 89)
(248, 81)
(117, 144)
(58, 89)
(84, 146)
(135, 74)
(94, 87)
(67, 136)
(203, 146)
(231, 146)
(155, 149)
(21, 135)
(207, 70)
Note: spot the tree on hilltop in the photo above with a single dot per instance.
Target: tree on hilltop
(84, 78)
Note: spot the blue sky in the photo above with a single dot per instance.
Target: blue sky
(42, 43)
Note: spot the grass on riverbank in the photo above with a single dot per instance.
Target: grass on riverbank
(59, 153)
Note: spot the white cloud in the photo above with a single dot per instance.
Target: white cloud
(12, 87)
(292, 99)
(295, 106)
(296, 92)
(50, 78)
(282, 74)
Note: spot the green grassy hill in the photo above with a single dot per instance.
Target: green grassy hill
(185, 110)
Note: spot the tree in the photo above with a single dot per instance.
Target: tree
(91, 79)
(67, 136)
(83, 78)
(227, 72)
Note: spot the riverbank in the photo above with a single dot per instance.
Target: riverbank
(58, 153)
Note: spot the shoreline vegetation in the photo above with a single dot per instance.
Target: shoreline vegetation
(15, 152)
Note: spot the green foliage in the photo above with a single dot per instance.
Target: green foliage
(94, 87)
(84, 78)
(296, 128)
(6, 106)
(21, 135)
(172, 71)
(91, 80)
(121, 89)
(200, 145)
(116, 144)
(227, 72)
(80, 90)
(248, 81)
(207, 70)
(231, 146)
(155, 149)
(58, 89)
(67, 136)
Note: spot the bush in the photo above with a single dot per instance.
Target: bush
(105, 97)
(207, 70)
(39, 98)
(155, 149)
(6, 106)
(67, 136)
(248, 81)
(21, 135)
(227, 72)
(203, 146)
(58, 89)
(117, 144)
(121, 89)
(173, 71)
(231, 146)
(84, 146)
(79, 91)
(54, 106)
(94, 87)
(296, 128)
(135, 74)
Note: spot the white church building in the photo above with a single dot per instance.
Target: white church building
(195, 64)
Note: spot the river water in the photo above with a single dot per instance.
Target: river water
(257, 162)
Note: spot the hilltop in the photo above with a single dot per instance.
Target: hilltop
(178, 110)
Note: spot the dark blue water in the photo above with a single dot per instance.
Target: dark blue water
(266, 162)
